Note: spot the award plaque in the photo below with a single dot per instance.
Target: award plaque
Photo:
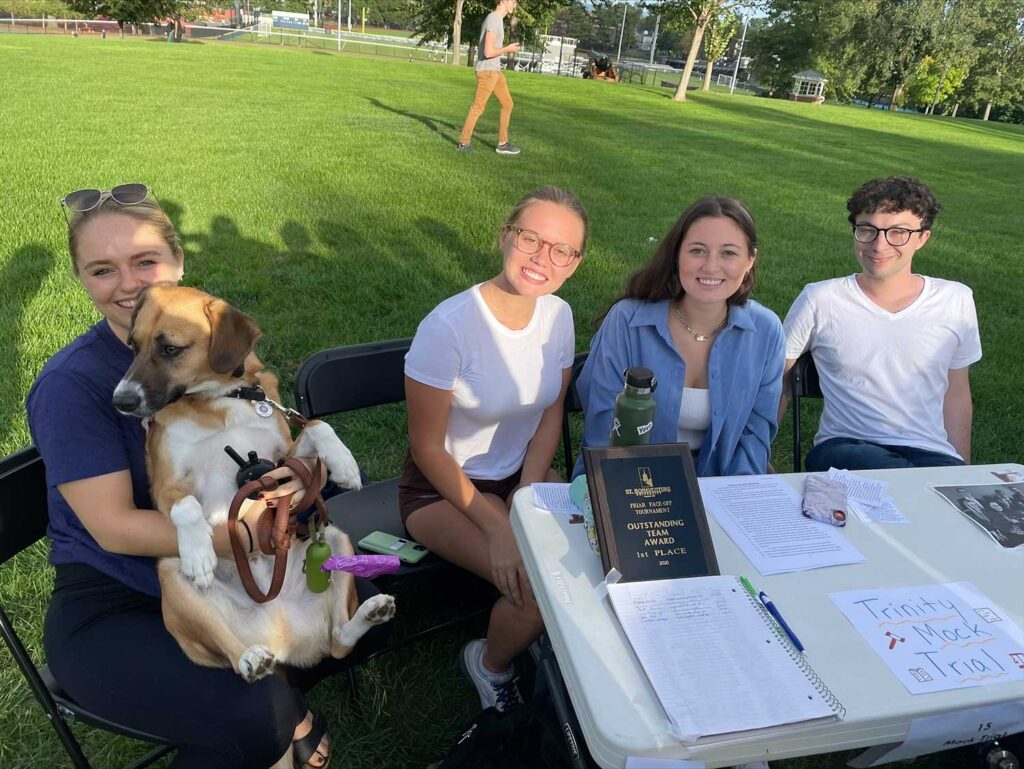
(648, 512)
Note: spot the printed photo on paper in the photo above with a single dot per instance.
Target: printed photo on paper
(998, 508)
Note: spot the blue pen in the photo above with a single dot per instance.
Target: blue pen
(778, 618)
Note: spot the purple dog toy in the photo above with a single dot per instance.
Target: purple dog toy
(368, 566)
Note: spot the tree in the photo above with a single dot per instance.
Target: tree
(443, 20)
(806, 34)
(690, 14)
(129, 11)
(36, 9)
(932, 83)
(719, 34)
(998, 78)
(890, 40)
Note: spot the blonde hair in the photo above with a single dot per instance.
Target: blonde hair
(558, 196)
(147, 212)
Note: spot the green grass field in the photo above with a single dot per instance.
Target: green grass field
(322, 193)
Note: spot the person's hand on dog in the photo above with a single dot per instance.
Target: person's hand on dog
(507, 570)
(288, 483)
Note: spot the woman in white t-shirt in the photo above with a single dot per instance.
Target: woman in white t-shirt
(485, 380)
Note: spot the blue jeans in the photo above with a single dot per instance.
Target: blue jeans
(853, 454)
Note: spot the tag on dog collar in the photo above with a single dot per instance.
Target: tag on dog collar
(263, 408)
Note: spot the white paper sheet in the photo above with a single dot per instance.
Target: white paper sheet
(945, 731)
(868, 499)
(729, 671)
(761, 514)
(554, 497)
(937, 637)
(861, 489)
(887, 513)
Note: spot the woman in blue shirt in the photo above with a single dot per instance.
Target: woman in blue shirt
(717, 355)
(104, 634)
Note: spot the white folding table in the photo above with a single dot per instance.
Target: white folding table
(618, 711)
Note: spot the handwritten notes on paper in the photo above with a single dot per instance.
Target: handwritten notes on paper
(937, 637)
(761, 514)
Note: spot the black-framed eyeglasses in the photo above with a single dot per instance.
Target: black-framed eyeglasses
(894, 236)
(530, 242)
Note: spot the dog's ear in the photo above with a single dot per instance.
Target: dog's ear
(232, 336)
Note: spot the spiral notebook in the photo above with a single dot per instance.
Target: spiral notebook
(717, 660)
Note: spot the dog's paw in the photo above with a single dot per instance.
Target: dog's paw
(338, 460)
(377, 609)
(256, 662)
(195, 542)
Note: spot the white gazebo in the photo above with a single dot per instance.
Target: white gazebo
(808, 86)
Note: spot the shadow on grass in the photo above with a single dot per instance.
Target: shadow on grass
(23, 275)
(429, 122)
(361, 272)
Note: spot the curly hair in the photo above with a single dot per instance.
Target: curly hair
(892, 195)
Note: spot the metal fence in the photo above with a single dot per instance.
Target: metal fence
(339, 40)
(564, 61)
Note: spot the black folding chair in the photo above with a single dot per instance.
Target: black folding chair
(344, 379)
(572, 406)
(803, 383)
(23, 520)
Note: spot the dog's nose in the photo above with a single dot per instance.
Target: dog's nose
(127, 397)
(126, 402)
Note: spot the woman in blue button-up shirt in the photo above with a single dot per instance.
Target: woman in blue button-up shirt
(718, 356)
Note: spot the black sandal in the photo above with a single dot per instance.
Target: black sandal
(306, 748)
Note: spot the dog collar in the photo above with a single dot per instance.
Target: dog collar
(249, 393)
(264, 406)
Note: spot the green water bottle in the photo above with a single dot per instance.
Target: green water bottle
(634, 409)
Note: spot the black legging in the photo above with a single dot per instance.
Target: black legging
(107, 646)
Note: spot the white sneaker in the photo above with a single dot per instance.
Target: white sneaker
(496, 691)
(753, 765)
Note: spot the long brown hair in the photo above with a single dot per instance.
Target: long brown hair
(148, 212)
(659, 278)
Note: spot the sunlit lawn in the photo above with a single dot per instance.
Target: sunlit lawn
(322, 193)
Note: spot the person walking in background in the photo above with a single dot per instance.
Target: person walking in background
(490, 79)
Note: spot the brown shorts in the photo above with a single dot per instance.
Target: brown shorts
(415, 491)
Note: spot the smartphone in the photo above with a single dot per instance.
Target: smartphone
(388, 544)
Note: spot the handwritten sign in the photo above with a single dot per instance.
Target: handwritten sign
(937, 637)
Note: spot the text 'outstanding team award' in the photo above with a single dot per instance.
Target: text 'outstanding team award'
(648, 511)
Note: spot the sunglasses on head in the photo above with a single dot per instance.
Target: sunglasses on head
(81, 201)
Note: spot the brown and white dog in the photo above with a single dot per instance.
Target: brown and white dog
(191, 351)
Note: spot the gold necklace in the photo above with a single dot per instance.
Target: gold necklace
(694, 334)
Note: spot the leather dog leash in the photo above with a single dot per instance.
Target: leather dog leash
(274, 530)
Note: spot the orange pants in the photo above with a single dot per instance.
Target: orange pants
(488, 82)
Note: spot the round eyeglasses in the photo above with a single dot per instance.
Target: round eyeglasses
(530, 242)
(894, 236)
(81, 201)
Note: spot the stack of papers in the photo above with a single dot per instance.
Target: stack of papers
(554, 498)
(761, 514)
(869, 499)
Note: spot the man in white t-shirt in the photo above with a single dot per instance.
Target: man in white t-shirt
(892, 348)
(490, 79)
